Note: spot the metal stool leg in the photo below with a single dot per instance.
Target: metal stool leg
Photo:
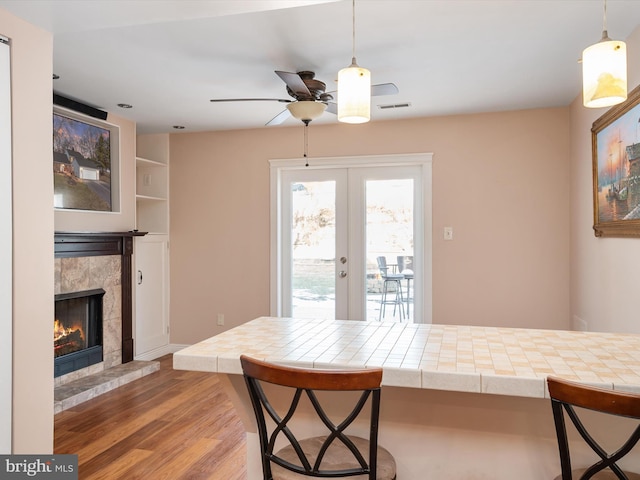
(383, 300)
(399, 300)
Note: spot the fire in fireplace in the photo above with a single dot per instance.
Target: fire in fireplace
(67, 339)
(77, 330)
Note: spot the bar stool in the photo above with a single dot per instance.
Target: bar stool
(394, 279)
(336, 454)
(405, 267)
(565, 396)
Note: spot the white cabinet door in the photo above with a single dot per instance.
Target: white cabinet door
(152, 293)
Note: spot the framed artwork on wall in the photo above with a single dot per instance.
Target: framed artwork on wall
(615, 138)
(85, 163)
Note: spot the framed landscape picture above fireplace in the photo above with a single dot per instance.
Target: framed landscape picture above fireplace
(85, 163)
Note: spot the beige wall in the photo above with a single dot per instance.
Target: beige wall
(31, 71)
(499, 179)
(605, 272)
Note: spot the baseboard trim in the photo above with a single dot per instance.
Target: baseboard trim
(159, 352)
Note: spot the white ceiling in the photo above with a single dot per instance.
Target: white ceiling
(168, 58)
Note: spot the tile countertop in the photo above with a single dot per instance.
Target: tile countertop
(507, 361)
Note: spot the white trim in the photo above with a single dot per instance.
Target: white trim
(353, 161)
(161, 351)
(427, 232)
(6, 254)
(276, 166)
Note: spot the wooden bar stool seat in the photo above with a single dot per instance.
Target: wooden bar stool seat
(340, 458)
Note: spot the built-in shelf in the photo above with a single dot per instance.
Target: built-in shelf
(150, 163)
(152, 251)
(152, 203)
(143, 198)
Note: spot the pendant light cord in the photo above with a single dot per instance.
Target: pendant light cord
(353, 31)
(605, 34)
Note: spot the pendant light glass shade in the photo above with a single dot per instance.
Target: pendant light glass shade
(604, 73)
(354, 94)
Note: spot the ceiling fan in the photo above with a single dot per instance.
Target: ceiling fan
(309, 97)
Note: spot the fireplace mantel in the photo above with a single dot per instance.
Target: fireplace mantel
(91, 244)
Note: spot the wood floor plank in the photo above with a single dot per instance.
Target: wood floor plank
(227, 461)
(119, 468)
(188, 456)
(129, 421)
(132, 442)
(169, 424)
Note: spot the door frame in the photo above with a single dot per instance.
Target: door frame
(6, 253)
(277, 166)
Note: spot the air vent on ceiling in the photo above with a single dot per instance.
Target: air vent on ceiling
(394, 105)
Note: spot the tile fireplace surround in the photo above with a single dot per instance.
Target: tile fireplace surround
(85, 273)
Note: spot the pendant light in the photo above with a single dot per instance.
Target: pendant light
(354, 88)
(604, 71)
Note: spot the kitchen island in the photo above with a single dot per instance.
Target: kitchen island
(458, 402)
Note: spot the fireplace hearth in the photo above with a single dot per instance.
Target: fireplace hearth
(77, 330)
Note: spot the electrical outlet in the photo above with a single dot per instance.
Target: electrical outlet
(220, 319)
(448, 233)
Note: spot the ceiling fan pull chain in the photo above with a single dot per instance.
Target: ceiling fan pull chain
(306, 142)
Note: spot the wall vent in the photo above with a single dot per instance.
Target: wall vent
(394, 105)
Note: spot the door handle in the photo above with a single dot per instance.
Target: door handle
(342, 274)
(139, 277)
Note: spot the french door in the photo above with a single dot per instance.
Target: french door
(333, 220)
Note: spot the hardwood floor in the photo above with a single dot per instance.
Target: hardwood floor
(171, 424)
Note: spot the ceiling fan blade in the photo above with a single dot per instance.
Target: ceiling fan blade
(280, 118)
(295, 83)
(332, 108)
(383, 89)
(377, 90)
(281, 100)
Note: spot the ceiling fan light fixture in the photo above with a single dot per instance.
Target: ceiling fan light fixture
(354, 94)
(604, 71)
(306, 110)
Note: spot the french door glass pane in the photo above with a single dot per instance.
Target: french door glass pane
(389, 234)
(313, 248)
